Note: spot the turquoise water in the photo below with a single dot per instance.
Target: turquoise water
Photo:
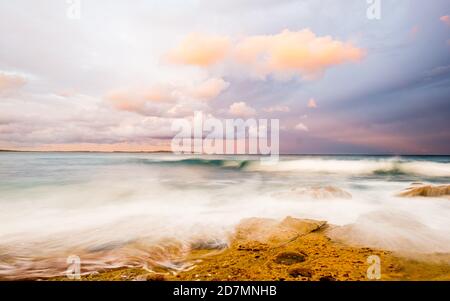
(112, 209)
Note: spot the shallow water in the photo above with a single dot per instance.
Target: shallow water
(137, 209)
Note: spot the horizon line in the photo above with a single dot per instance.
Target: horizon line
(166, 151)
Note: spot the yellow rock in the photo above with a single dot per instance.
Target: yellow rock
(426, 191)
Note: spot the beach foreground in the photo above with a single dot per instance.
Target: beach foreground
(294, 250)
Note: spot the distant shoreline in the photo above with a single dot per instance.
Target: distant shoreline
(169, 152)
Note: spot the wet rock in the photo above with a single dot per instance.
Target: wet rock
(210, 244)
(302, 226)
(259, 233)
(426, 191)
(289, 258)
(300, 272)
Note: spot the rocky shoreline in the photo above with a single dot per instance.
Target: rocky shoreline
(292, 250)
(295, 250)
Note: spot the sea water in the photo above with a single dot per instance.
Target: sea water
(144, 209)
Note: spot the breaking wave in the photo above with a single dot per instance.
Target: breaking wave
(384, 166)
(391, 166)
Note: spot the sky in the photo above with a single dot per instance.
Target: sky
(114, 75)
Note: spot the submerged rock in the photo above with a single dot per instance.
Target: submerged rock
(208, 244)
(318, 193)
(426, 191)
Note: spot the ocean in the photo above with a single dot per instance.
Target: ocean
(148, 209)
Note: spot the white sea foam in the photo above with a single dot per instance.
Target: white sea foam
(425, 168)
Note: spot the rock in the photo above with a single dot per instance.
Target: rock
(426, 191)
(289, 242)
(140, 278)
(289, 258)
(327, 278)
(156, 277)
(258, 233)
(302, 226)
(149, 277)
(252, 246)
(298, 271)
(318, 193)
(208, 244)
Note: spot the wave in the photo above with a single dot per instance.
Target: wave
(392, 166)
(362, 167)
(236, 164)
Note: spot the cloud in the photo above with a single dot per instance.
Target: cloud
(445, 19)
(312, 103)
(180, 110)
(144, 101)
(200, 50)
(277, 108)
(166, 100)
(438, 71)
(294, 53)
(125, 100)
(241, 109)
(284, 55)
(301, 127)
(209, 89)
(80, 119)
(10, 82)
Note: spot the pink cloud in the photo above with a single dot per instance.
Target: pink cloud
(142, 101)
(209, 89)
(152, 146)
(284, 55)
(445, 19)
(10, 82)
(241, 109)
(166, 100)
(200, 50)
(312, 103)
(291, 53)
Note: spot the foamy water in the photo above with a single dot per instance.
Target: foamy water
(143, 210)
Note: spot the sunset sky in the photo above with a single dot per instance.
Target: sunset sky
(117, 77)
